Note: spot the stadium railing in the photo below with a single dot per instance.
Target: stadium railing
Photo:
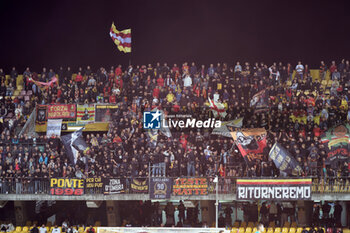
(226, 185)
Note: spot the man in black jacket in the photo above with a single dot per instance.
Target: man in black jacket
(34, 229)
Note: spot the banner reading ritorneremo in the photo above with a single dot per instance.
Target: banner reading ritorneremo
(274, 189)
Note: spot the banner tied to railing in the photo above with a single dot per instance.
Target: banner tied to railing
(274, 189)
(66, 186)
(114, 186)
(190, 186)
(160, 188)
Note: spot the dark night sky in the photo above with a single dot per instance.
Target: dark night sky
(76, 33)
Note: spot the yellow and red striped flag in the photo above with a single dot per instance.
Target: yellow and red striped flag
(121, 38)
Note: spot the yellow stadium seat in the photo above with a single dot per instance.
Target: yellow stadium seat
(285, 229)
(346, 230)
(7, 79)
(248, 230)
(47, 228)
(277, 230)
(299, 229)
(25, 229)
(51, 228)
(19, 80)
(256, 229)
(81, 229)
(95, 229)
(18, 229)
(292, 230)
(234, 230)
(241, 230)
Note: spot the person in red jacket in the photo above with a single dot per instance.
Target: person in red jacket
(79, 79)
(118, 71)
(156, 92)
(112, 99)
(333, 67)
(160, 81)
(119, 82)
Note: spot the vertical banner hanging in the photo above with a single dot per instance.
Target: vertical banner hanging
(41, 114)
(160, 188)
(86, 113)
(53, 127)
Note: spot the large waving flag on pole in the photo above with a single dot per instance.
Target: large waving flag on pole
(121, 38)
(217, 108)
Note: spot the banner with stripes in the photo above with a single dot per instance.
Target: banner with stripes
(274, 189)
(121, 38)
(85, 113)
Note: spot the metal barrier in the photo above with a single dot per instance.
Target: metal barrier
(24, 186)
(226, 185)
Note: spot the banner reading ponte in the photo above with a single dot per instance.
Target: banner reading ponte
(190, 186)
(66, 186)
(274, 189)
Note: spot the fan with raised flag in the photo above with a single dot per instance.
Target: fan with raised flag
(121, 38)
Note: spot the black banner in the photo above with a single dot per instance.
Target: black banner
(139, 185)
(41, 114)
(92, 184)
(104, 113)
(113, 186)
(284, 161)
(160, 188)
(260, 101)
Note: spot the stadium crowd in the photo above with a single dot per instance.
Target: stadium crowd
(301, 108)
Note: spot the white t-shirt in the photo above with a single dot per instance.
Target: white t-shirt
(299, 68)
(187, 81)
(56, 230)
(42, 230)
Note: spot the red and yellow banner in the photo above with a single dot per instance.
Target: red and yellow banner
(61, 111)
(190, 186)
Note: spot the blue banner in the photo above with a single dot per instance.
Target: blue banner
(284, 161)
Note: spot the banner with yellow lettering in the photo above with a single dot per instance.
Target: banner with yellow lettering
(190, 186)
(62, 111)
(66, 186)
(139, 185)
